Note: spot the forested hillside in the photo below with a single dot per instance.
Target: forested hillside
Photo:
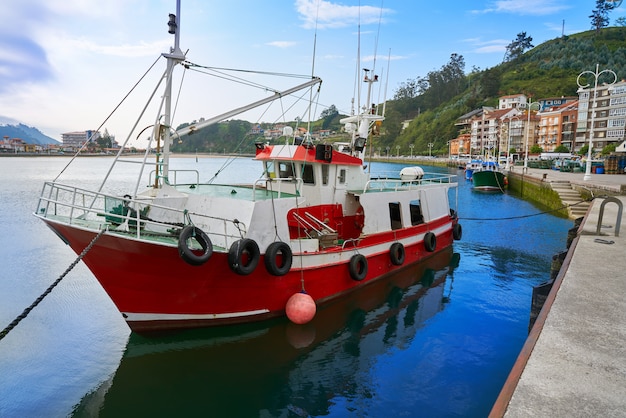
(548, 70)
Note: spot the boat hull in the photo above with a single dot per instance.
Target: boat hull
(155, 289)
(489, 180)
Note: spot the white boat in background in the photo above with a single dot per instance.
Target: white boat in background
(188, 254)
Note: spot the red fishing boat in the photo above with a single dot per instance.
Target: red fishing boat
(187, 254)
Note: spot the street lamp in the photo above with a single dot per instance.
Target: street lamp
(430, 147)
(508, 145)
(411, 146)
(387, 153)
(397, 151)
(597, 74)
(530, 108)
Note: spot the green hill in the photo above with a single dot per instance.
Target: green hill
(548, 70)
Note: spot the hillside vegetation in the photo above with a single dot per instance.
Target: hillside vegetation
(548, 70)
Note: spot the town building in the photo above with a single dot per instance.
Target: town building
(605, 122)
(557, 126)
(75, 140)
(513, 101)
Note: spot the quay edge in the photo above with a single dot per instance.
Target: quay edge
(573, 361)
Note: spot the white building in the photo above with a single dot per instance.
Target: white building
(609, 115)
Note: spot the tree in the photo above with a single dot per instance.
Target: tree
(406, 90)
(600, 15)
(561, 148)
(536, 149)
(608, 149)
(620, 21)
(517, 47)
(105, 141)
(328, 115)
(330, 112)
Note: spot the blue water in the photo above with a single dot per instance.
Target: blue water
(441, 347)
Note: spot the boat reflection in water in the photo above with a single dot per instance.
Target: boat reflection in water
(277, 368)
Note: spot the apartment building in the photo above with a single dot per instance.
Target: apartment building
(75, 140)
(557, 126)
(513, 101)
(601, 117)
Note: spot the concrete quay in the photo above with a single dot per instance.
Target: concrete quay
(573, 363)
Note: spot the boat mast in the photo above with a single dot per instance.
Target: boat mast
(174, 57)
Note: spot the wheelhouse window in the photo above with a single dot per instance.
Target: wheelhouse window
(325, 169)
(416, 212)
(285, 169)
(307, 174)
(395, 215)
(269, 169)
(342, 176)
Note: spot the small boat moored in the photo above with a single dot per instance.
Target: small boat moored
(489, 177)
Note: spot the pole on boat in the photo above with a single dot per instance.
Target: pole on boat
(174, 57)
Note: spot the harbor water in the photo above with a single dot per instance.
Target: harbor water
(436, 340)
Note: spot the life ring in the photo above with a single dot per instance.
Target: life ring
(457, 232)
(396, 253)
(430, 242)
(194, 257)
(358, 267)
(243, 256)
(278, 265)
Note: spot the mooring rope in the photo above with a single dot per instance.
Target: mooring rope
(49, 289)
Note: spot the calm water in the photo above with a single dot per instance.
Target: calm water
(437, 340)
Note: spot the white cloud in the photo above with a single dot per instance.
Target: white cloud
(528, 7)
(325, 14)
(487, 47)
(282, 44)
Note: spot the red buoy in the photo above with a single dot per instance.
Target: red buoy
(300, 308)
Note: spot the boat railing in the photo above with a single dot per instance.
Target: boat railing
(140, 218)
(172, 177)
(267, 183)
(383, 183)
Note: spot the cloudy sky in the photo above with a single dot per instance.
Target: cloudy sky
(65, 64)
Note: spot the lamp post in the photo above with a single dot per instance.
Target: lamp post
(430, 147)
(397, 151)
(387, 153)
(508, 145)
(530, 108)
(411, 147)
(596, 75)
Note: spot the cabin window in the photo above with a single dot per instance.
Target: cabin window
(325, 168)
(395, 215)
(285, 170)
(416, 212)
(342, 176)
(269, 169)
(307, 174)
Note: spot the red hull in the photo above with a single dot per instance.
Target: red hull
(155, 289)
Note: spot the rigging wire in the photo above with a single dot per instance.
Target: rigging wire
(108, 117)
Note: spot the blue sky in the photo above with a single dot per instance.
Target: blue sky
(64, 64)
